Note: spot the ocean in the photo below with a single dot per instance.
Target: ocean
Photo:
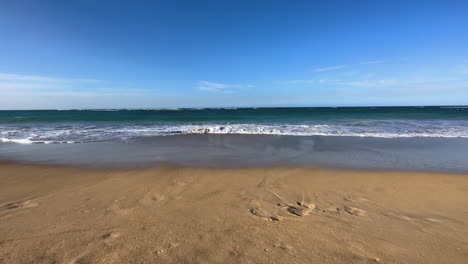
(80, 126)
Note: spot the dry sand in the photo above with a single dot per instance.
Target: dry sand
(193, 215)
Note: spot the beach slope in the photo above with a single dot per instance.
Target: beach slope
(263, 215)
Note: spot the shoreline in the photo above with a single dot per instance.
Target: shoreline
(218, 215)
(252, 151)
(175, 166)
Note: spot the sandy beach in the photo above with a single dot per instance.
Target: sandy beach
(53, 214)
(222, 132)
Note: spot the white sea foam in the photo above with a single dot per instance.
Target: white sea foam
(18, 140)
(357, 128)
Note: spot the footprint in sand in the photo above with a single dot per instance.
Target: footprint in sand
(152, 198)
(286, 247)
(110, 236)
(260, 213)
(399, 216)
(354, 211)
(302, 209)
(119, 211)
(20, 205)
(404, 217)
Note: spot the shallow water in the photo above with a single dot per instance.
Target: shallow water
(427, 154)
(77, 126)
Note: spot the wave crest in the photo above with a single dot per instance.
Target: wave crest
(100, 132)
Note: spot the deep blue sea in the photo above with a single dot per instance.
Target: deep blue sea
(77, 126)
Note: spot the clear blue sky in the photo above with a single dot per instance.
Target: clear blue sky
(155, 54)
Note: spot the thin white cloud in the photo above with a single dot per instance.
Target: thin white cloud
(337, 67)
(405, 83)
(373, 83)
(372, 62)
(312, 81)
(369, 82)
(302, 82)
(331, 68)
(33, 84)
(34, 78)
(11, 82)
(25, 85)
(221, 87)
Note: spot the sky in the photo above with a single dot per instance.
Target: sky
(222, 53)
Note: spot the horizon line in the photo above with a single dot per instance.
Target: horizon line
(228, 107)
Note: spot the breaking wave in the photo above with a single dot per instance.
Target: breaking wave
(78, 133)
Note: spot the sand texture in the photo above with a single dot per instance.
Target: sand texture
(194, 215)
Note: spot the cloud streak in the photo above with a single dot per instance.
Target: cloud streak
(221, 87)
(40, 92)
(330, 68)
(371, 83)
(29, 83)
(372, 62)
(312, 81)
(44, 84)
(338, 67)
(34, 78)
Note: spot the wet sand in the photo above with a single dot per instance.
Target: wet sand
(52, 214)
(250, 151)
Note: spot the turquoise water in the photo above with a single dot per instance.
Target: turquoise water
(237, 114)
(73, 126)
